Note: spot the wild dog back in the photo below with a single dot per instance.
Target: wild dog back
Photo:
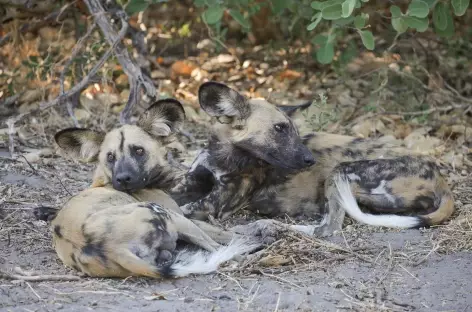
(259, 161)
(105, 232)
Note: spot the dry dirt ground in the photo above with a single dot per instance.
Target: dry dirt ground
(364, 269)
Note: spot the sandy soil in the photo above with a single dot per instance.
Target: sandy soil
(393, 271)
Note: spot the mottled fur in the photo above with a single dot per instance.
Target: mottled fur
(126, 224)
(255, 166)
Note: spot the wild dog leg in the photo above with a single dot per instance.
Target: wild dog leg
(388, 186)
(222, 202)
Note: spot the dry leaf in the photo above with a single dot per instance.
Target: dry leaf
(289, 74)
(181, 69)
(276, 260)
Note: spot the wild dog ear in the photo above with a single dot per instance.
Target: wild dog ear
(162, 118)
(80, 143)
(290, 110)
(219, 100)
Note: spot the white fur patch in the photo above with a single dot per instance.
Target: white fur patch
(348, 203)
(353, 177)
(381, 190)
(227, 106)
(203, 262)
(88, 149)
(160, 127)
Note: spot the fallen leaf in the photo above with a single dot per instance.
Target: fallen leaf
(289, 74)
(181, 69)
(276, 260)
(367, 127)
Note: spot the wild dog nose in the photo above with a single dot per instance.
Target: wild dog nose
(309, 160)
(123, 178)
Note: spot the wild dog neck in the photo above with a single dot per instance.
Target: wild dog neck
(231, 158)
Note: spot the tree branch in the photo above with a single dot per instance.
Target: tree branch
(137, 79)
(74, 90)
(71, 102)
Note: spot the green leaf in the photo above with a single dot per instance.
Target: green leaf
(315, 22)
(238, 17)
(367, 39)
(361, 20)
(343, 21)
(418, 8)
(399, 24)
(320, 39)
(348, 7)
(325, 53)
(332, 12)
(396, 12)
(135, 6)
(420, 24)
(318, 5)
(430, 3)
(440, 16)
(199, 3)
(460, 6)
(450, 29)
(278, 6)
(213, 14)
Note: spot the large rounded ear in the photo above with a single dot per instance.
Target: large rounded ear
(80, 143)
(219, 100)
(162, 118)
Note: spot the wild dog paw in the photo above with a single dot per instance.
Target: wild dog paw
(45, 213)
(266, 231)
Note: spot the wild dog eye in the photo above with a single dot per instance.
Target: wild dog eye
(139, 151)
(110, 157)
(280, 127)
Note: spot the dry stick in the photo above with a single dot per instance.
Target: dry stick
(38, 278)
(137, 79)
(76, 49)
(28, 27)
(82, 84)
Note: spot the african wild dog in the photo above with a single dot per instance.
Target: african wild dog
(258, 160)
(118, 228)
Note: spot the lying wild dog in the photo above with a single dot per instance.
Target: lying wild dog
(257, 160)
(106, 231)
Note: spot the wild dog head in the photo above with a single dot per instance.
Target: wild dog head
(130, 157)
(255, 126)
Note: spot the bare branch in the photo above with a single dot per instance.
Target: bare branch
(54, 16)
(74, 90)
(73, 99)
(137, 79)
(38, 278)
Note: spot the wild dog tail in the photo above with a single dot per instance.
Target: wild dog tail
(446, 205)
(348, 202)
(203, 262)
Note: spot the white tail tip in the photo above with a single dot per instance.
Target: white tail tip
(204, 262)
(348, 202)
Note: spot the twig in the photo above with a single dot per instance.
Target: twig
(38, 278)
(34, 292)
(279, 278)
(277, 304)
(78, 87)
(28, 27)
(137, 79)
(429, 110)
(77, 48)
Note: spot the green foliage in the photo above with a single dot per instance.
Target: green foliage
(415, 18)
(325, 18)
(135, 6)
